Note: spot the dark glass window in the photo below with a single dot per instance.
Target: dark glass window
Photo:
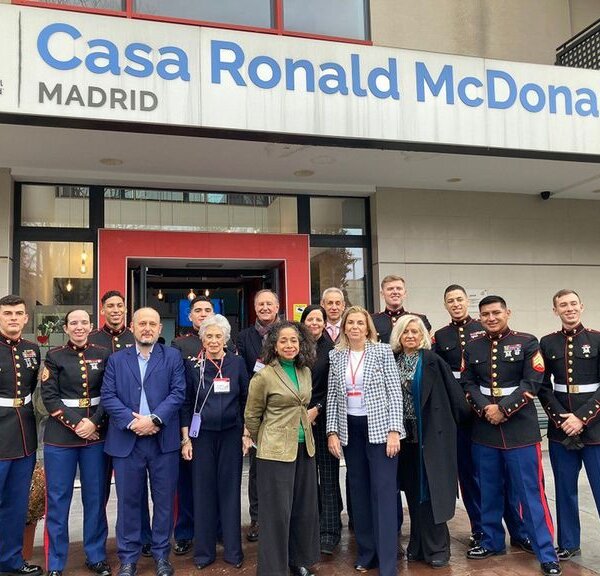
(256, 13)
(92, 4)
(342, 18)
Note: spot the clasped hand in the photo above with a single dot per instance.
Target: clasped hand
(143, 425)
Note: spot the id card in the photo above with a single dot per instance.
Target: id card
(258, 366)
(195, 425)
(221, 386)
(355, 399)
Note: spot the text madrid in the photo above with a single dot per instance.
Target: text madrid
(229, 63)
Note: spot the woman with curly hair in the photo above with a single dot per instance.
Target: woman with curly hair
(277, 420)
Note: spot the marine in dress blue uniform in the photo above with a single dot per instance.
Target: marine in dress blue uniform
(571, 398)
(503, 372)
(71, 382)
(19, 366)
(449, 343)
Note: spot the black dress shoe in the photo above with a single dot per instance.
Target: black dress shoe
(55, 573)
(164, 568)
(438, 563)
(410, 557)
(362, 568)
(127, 569)
(567, 553)
(300, 571)
(551, 569)
(202, 565)
(25, 570)
(182, 547)
(101, 568)
(524, 545)
(252, 534)
(327, 548)
(147, 550)
(479, 553)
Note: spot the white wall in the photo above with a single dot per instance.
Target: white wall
(520, 247)
(6, 231)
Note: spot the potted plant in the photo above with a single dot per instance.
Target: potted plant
(36, 509)
(47, 326)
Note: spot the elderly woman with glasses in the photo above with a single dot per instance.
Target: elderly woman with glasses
(433, 404)
(213, 439)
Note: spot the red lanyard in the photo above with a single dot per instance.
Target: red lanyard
(217, 366)
(353, 373)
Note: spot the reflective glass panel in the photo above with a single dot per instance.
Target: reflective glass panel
(55, 206)
(340, 267)
(242, 12)
(92, 4)
(199, 211)
(339, 216)
(55, 277)
(342, 18)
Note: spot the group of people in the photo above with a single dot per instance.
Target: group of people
(410, 412)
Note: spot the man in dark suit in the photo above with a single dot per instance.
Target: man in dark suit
(249, 345)
(143, 390)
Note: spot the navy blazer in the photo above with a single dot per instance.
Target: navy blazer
(164, 384)
(249, 346)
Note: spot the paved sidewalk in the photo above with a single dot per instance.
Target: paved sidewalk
(516, 562)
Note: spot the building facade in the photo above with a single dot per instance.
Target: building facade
(169, 148)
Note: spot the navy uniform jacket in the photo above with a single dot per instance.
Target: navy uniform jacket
(221, 411)
(384, 322)
(572, 357)
(189, 345)
(112, 339)
(508, 360)
(73, 373)
(449, 342)
(19, 366)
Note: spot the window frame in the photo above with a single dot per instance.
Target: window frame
(277, 29)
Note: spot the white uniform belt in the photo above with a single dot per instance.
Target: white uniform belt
(15, 402)
(497, 391)
(576, 388)
(456, 375)
(80, 402)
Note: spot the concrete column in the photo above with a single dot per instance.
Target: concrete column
(6, 231)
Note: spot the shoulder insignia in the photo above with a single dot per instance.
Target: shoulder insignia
(537, 362)
(45, 374)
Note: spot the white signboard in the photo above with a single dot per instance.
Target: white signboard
(58, 63)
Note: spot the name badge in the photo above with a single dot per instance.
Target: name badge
(355, 399)
(221, 386)
(258, 366)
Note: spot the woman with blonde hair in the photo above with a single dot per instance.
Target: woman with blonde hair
(433, 404)
(364, 416)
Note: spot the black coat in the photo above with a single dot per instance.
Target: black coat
(443, 406)
(320, 374)
(249, 346)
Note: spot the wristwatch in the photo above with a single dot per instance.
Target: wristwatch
(156, 420)
(319, 407)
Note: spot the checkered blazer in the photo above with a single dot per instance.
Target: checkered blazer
(383, 393)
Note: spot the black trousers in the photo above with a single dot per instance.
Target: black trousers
(288, 514)
(428, 540)
(330, 495)
(252, 492)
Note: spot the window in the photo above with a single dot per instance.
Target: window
(347, 19)
(200, 211)
(54, 277)
(340, 216)
(256, 13)
(340, 267)
(55, 206)
(342, 18)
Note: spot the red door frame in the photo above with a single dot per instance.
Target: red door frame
(115, 247)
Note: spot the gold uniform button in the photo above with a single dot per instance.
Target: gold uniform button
(84, 385)
(494, 358)
(83, 368)
(116, 339)
(570, 345)
(494, 375)
(570, 379)
(18, 392)
(494, 366)
(81, 362)
(570, 361)
(494, 343)
(84, 394)
(17, 366)
(84, 376)
(18, 374)
(80, 354)
(570, 370)
(118, 346)
(570, 339)
(494, 383)
(17, 357)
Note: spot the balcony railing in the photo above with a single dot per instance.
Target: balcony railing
(581, 51)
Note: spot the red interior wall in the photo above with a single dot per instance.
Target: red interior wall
(115, 246)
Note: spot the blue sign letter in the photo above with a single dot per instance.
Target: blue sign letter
(217, 65)
(42, 46)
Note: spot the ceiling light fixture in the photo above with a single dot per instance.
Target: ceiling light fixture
(304, 173)
(111, 161)
(160, 294)
(191, 294)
